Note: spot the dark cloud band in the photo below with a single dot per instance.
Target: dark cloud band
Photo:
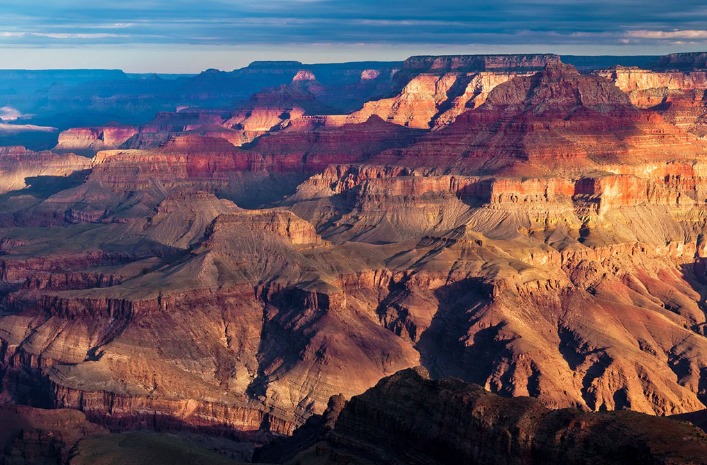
(210, 22)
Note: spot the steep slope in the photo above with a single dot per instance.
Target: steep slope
(554, 120)
(251, 329)
(549, 242)
(36, 436)
(252, 176)
(678, 96)
(408, 418)
(433, 101)
(608, 298)
(19, 165)
(435, 90)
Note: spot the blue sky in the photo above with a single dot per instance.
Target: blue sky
(188, 36)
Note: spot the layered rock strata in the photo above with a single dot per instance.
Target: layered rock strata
(409, 418)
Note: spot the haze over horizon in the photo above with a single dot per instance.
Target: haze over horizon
(180, 37)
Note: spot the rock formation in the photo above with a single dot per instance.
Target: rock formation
(408, 418)
(474, 63)
(431, 100)
(36, 436)
(678, 96)
(683, 61)
(304, 75)
(556, 119)
(535, 233)
(19, 167)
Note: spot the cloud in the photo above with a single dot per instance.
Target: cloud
(675, 34)
(49, 23)
(8, 113)
(6, 128)
(68, 35)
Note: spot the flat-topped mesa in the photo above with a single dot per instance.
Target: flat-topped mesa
(18, 165)
(95, 138)
(274, 64)
(283, 223)
(683, 61)
(90, 140)
(476, 63)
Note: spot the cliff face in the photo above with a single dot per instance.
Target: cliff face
(408, 418)
(36, 436)
(556, 119)
(548, 242)
(89, 141)
(19, 165)
(472, 63)
(123, 360)
(94, 139)
(211, 163)
(683, 61)
(476, 227)
(435, 90)
(677, 95)
(432, 100)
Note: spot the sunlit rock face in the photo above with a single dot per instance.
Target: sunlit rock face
(508, 221)
(20, 167)
(435, 90)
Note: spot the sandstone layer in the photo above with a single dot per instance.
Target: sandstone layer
(677, 95)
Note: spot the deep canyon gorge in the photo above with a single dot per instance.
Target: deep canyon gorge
(451, 259)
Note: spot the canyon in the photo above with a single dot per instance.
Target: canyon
(276, 271)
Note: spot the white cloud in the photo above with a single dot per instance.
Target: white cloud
(8, 113)
(674, 34)
(66, 35)
(6, 128)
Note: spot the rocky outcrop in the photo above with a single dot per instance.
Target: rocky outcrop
(683, 61)
(304, 75)
(471, 63)
(408, 418)
(590, 223)
(87, 140)
(678, 96)
(630, 80)
(213, 163)
(36, 436)
(557, 119)
(548, 242)
(432, 100)
(282, 223)
(20, 167)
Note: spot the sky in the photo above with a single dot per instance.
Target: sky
(181, 36)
